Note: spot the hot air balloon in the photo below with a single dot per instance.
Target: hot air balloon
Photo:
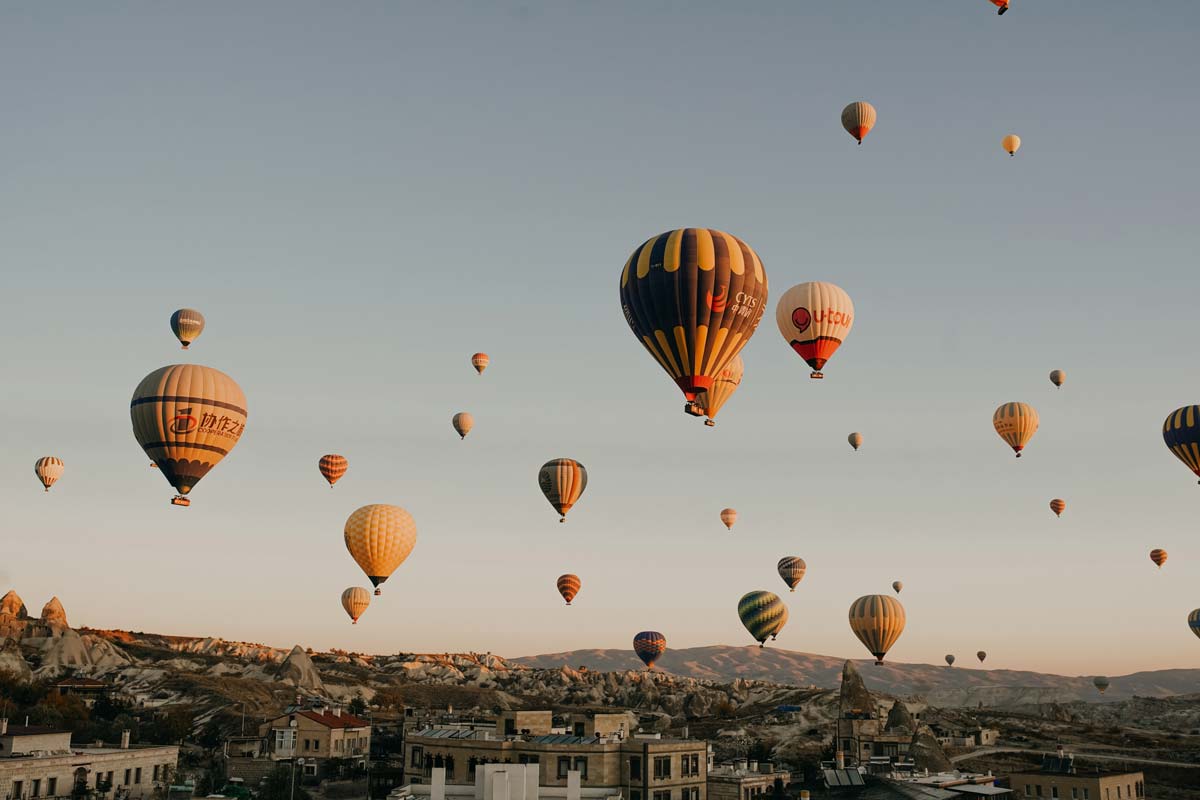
(1016, 423)
(1011, 144)
(791, 569)
(562, 480)
(1100, 682)
(693, 297)
(187, 324)
(480, 362)
(649, 645)
(1181, 432)
(877, 620)
(462, 422)
(187, 418)
(333, 467)
(1158, 556)
(814, 319)
(1058, 377)
(729, 517)
(725, 383)
(1001, 5)
(981, 655)
(1194, 622)
(763, 614)
(858, 119)
(568, 586)
(897, 586)
(379, 538)
(949, 660)
(355, 600)
(855, 440)
(1058, 506)
(48, 470)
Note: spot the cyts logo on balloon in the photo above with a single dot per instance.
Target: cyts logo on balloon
(717, 303)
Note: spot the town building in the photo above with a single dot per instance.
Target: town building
(320, 735)
(609, 758)
(746, 780)
(89, 690)
(38, 762)
(1060, 779)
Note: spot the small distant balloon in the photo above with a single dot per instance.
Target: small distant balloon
(981, 655)
(1158, 556)
(462, 422)
(649, 645)
(897, 586)
(1058, 506)
(187, 324)
(1015, 423)
(1101, 683)
(1058, 377)
(355, 600)
(568, 586)
(333, 467)
(1001, 5)
(855, 440)
(858, 119)
(729, 517)
(48, 469)
(562, 481)
(791, 569)
(480, 362)
(949, 660)
(1011, 144)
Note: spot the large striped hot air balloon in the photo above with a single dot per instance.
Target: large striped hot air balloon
(1058, 377)
(568, 586)
(815, 318)
(649, 645)
(729, 517)
(1181, 432)
(725, 383)
(187, 418)
(480, 362)
(763, 614)
(858, 118)
(1158, 556)
(355, 600)
(187, 324)
(1194, 622)
(1101, 683)
(877, 620)
(1058, 506)
(949, 660)
(1011, 144)
(379, 538)
(462, 423)
(693, 298)
(562, 480)
(1016, 423)
(333, 467)
(791, 569)
(48, 470)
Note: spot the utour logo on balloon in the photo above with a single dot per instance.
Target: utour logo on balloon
(801, 319)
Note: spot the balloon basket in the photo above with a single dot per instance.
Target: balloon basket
(708, 423)
(693, 408)
(816, 376)
(378, 592)
(180, 500)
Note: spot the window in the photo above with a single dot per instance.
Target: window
(1038, 786)
(662, 795)
(310, 769)
(35, 788)
(635, 794)
(1054, 792)
(52, 786)
(1074, 793)
(696, 765)
(128, 772)
(635, 771)
(1028, 790)
(662, 768)
(137, 775)
(18, 788)
(285, 740)
(1087, 793)
(581, 766)
(1118, 793)
(155, 772)
(418, 757)
(564, 766)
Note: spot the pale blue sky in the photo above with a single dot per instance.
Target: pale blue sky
(359, 196)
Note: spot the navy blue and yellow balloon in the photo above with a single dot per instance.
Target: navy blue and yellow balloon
(763, 614)
(649, 645)
(693, 297)
(1194, 622)
(1181, 432)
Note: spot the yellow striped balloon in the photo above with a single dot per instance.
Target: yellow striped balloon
(1011, 144)
(187, 324)
(1194, 622)
(568, 586)
(333, 467)
(1058, 506)
(791, 569)
(815, 318)
(480, 362)
(729, 517)
(1016, 423)
(48, 470)
(763, 614)
(897, 586)
(462, 422)
(562, 480)
(1181, 432)
(693, 297)
(379, 538)
(855, 440)
(724, 385)
(858, 118)
(1158, 556)
(355, 600)
(877, 620)
(1058, 377)
(187, 418)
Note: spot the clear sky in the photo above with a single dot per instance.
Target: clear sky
(358, 196)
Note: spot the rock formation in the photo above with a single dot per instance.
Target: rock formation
(854, 694)
(927, 753)
(14, 618)
(54, 617)
(12, 663)
(298, 670)
(899, 719)
(63, 653)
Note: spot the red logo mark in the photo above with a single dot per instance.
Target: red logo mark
(717, 304)
(183, 422)
(801, 319)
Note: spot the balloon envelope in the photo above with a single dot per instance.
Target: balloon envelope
(1101, 683)
(729, 517)
(1194, 622)
(1058, 377)
(981, 655)
(333, 467)
(48, 469)
(693, 297)
(1058, 506)
(462, 422)
(187, 324)
(815, 318)
(1158, 556)
(858, 118)
(897, 586)
(791, 569)
(1011, 144)
(1181, 433)
(649, 645)
(187, 418)
(950, 660)
(725, 383)
(855, 440)
(568, 586)
(763, 614)
(562, 481)
(355, 600)
(379, 538)
(877, 620)
(1015, 423)
(480, 362)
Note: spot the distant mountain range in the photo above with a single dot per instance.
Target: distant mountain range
(958, 686)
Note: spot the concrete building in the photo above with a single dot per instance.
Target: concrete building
(89, 690)
(635, 766)
(317, 735)
(746, 780)
(1059, 779)
(38, 762)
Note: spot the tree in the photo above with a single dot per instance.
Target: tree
(278, 784)
(358, 706)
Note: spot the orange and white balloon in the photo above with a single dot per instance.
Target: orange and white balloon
(815, 318)
(462, 422)
(48, 470)
(480, 362)
(858, 119)
(729, 517)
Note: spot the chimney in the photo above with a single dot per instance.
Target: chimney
(337, 711)
(753, 766)
(804, 795)
(839, 759)
(125, 739)
(3, 725)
